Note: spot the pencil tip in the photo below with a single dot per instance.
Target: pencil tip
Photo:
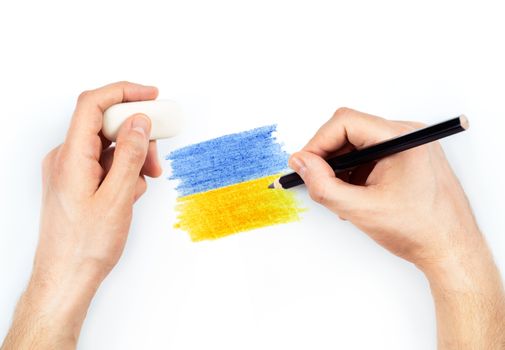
(276, 184)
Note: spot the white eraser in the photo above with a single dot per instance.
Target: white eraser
(165, 115)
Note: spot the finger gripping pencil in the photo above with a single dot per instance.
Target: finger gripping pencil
(383, 149)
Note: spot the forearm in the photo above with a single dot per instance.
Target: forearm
(49, 314)
(32, 329)
(469, 300)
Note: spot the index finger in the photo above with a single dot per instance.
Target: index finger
(88, 115)
(350, 126)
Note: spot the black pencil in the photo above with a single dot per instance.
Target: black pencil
(383, 149)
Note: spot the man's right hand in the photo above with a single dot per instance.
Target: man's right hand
(412, 204)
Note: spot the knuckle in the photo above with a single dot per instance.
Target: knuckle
(84, 96)
(142, 188)
(47, 164)
(60, 166)
(96, 144)
(62, 159)
(341, 112)
(402, 128)
(48, 160)
(319, 193)
(411, 124)
(421, 153)
(123, 82)
(407, 128)
(418, 125)
(97, 172)
(63, 166)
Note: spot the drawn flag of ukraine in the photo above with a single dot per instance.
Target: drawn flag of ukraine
(223, 185)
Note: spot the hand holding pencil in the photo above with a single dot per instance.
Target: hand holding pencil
(363, 156)
(412, 204)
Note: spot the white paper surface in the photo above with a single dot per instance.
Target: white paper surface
(232, 66)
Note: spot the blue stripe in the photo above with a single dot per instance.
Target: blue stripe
(227, 160)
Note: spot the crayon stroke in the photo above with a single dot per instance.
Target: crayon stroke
(227, 160)
(235, 208)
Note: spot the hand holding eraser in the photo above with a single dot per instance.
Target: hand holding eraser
(165, 115)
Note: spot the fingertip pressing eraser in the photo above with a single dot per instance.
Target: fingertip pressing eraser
(165, 115)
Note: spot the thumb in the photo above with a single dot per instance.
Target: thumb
(129, 156)
(323, 186)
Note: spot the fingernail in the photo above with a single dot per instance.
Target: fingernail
(141, 124)
(298, 165)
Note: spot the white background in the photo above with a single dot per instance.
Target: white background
(235, 65)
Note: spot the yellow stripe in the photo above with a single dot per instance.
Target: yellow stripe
(240, 207)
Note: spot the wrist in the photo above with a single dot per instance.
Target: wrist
(468, 296)
(467, 268)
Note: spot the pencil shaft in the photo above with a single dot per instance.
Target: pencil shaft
(386, 148)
